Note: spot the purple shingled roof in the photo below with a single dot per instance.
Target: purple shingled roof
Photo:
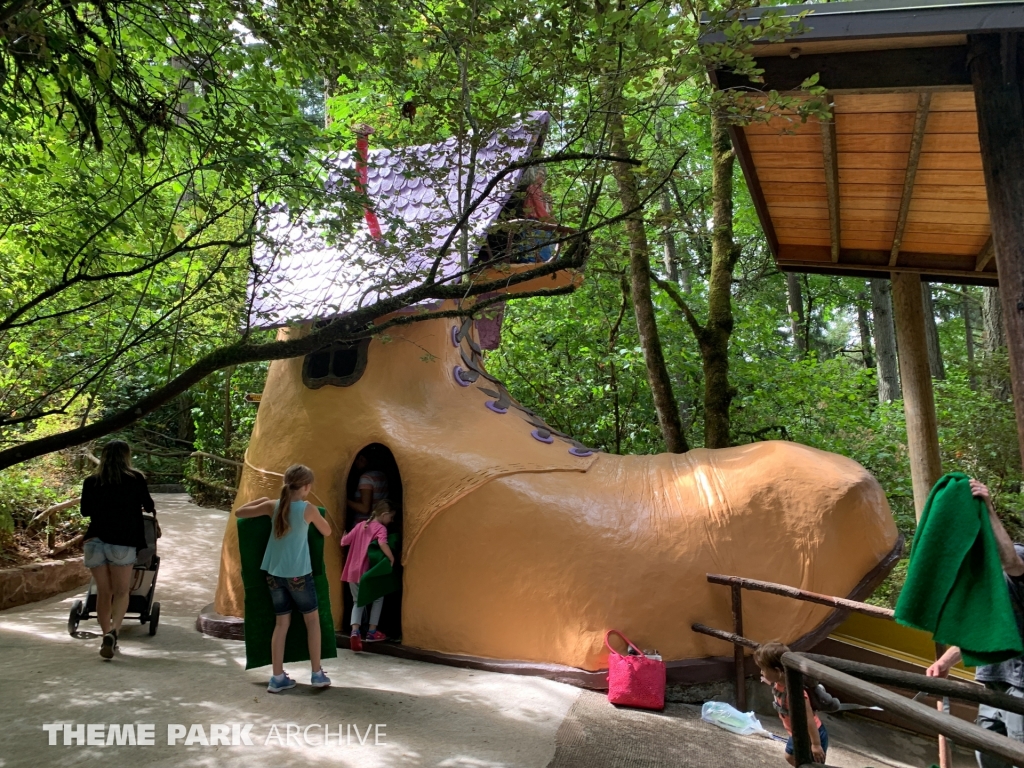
(415, 195)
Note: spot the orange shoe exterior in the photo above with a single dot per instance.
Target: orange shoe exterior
(519, 548)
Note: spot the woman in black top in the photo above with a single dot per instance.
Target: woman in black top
(113, 499)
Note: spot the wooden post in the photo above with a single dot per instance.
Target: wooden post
(945, 747)
(918, 399)
(994, 72)
(798, 717)
(737, 649)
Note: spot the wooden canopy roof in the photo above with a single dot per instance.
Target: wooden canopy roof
(894, 181)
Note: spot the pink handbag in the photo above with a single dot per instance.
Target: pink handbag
(634, 681)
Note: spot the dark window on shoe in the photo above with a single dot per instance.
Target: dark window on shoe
(340, 365)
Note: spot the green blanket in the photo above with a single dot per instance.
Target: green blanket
(253, 535)
(381, 579)
(955, 586)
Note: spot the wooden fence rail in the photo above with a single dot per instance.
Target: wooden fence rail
(802, 594)
(799, 665)
(201, 457)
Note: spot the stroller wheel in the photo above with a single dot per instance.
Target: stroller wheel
(74, 617)
(154, 618)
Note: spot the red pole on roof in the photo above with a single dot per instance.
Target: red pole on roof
(362, 132)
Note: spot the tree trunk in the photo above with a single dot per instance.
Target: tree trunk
(186, 424)
(640, 292)
(718, 393)
(965, 310)
(918, 397)
(865, 330)
(613, 378)
(228, 422)
(885, 341)
(993, 341)
(938, 370)
(683, 268)
(670, 257)
(993, 337)
(797, 322)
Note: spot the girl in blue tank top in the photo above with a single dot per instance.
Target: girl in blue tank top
(289, 571)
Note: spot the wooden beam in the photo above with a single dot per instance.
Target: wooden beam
(772, 588)
(997, 98)
(903, 68)
(742, 149)
(883, 270)
(737, 651)
(985, 255)
(830, 156)
(924, 102)
(915, 376)
(839, 25)
(914, 681)
(921, 715)
(798, 717)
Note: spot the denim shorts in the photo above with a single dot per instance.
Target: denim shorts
(99, 553)
(292, 592)
(822, 736)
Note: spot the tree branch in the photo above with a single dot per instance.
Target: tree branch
(356, 325)
(673, 293)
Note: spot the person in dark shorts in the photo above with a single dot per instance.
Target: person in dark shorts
(113, 498)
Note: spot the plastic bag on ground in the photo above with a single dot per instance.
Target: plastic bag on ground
(731, 719)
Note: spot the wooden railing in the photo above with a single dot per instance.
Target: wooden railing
(737, 584)
(823, 669)
(201, 457)
(46, 514)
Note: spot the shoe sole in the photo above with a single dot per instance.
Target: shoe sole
(321, 685)
(282, 688)
(381, 640)
(107, 649)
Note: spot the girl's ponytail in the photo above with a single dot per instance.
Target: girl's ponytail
(295, 477)
(380, 509)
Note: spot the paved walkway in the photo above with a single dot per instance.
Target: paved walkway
(429, 715)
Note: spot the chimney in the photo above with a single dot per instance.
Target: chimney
(362, 132)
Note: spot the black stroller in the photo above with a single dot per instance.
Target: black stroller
(140, 600)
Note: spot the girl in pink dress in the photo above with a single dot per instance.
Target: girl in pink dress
(358, 562)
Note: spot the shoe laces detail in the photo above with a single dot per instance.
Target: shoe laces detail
(472, 370)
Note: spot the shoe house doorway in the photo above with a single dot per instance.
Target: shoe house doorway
(378, 460)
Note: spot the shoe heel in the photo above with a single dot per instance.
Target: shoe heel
(355, 644)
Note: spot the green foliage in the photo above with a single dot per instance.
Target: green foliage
(21, 496)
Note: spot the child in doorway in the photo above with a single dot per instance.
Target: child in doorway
(289, 570)
(769, 659)
(372, 487)
(358, 562)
